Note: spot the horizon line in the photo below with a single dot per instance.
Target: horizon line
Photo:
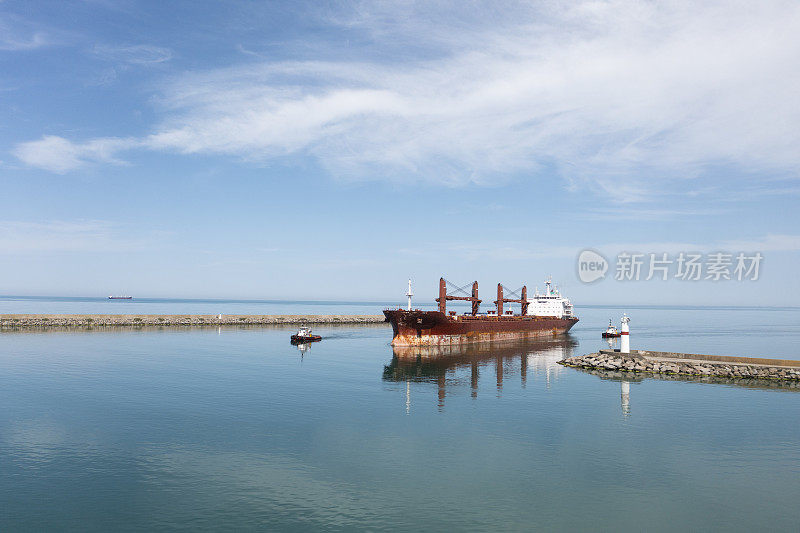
(382, 302)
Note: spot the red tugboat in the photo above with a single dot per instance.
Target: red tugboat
(545, 314)
(304, 335)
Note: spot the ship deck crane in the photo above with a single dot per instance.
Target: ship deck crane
(444, 297)
(521, 298)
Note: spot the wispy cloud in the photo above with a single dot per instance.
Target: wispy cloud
(522, 250)
(767, 243)
(618, 96)
(60, 155)
(14, 43)
(509, 251)
(19, 34)
(139, 54)
(122, 59)
(644, 213)
(64, 236)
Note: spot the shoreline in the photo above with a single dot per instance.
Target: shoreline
(19, 321)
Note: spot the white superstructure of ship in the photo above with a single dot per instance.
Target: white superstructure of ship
(550, 303)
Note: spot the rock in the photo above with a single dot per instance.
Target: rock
(613, 364)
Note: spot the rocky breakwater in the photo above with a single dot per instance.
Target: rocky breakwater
(83, 321)
(688, 364)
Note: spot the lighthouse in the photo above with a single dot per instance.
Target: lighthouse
(625, 341)
(409, 294)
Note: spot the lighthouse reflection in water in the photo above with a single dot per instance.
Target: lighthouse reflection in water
(456, 370)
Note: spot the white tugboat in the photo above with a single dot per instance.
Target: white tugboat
(611, 332)
(304, 334)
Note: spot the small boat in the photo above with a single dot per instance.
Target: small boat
(304, 335)
(120, 297)
(611, 331)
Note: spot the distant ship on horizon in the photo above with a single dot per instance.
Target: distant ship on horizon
(120, 297)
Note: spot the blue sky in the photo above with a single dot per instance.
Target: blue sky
(331, 150)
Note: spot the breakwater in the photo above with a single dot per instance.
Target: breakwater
(640, 361)
(83, 321)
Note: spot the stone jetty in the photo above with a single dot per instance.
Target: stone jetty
(83, 321)
(640, 361)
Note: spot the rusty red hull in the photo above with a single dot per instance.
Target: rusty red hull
(433, 328)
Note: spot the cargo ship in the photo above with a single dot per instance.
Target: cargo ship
(544, 314)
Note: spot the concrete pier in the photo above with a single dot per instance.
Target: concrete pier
(38, 321)
(640, 361)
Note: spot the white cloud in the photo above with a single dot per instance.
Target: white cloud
(60, 155)
(617, 95)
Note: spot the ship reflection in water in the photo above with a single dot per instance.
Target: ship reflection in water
(452, 368)
(613, 343)
(303, 348)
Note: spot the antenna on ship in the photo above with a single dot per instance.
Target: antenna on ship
(409, 294)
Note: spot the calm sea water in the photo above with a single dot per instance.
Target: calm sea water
(234, 428)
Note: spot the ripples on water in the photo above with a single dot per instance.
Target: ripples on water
(208, 429)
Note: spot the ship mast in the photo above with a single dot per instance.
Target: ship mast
(500, 300)
(409, 294)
